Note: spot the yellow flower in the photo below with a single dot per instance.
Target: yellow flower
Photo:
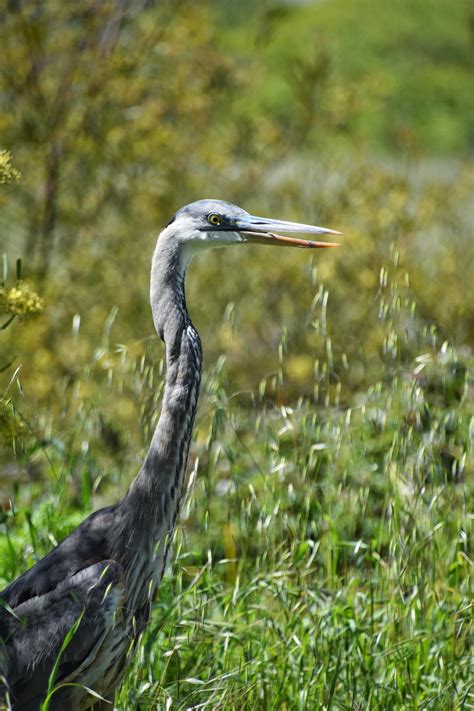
(21, 300)
(8, 173)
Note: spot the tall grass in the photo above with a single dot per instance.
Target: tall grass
(323, 559)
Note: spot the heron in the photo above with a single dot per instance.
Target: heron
(71, 622)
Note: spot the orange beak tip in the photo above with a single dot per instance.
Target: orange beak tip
(325, 244)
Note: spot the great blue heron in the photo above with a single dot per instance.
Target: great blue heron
(100, 581)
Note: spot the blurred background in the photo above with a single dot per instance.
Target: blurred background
(353, 114)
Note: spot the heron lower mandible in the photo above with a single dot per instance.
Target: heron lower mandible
(100, 581)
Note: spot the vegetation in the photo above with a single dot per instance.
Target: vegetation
(324, 555)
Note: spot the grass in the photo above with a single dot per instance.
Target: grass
(323, 560)
(333, 573)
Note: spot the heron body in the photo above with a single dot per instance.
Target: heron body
(99, 583)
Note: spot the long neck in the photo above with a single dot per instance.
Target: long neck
(152, 504)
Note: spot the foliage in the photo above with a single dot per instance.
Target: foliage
(80, 79)
(325, 554)
(330, 71)
(91, 77)
(19, 300)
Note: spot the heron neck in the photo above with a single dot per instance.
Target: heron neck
(157, 491)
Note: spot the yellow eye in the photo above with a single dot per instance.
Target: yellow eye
(215, 219)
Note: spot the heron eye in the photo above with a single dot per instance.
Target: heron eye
(215, 219)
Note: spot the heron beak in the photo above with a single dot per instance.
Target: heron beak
(261, 230)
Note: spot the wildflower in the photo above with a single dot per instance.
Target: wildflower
(20, 300)
(8, 173)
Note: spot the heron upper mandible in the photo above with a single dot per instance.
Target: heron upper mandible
(100, 581)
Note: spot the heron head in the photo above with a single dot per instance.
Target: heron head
(214, 223)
